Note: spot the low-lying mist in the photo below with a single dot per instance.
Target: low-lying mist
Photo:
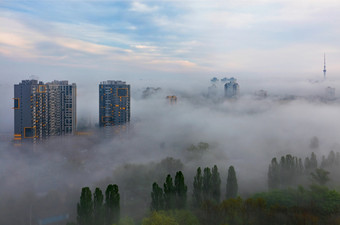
(45, 180)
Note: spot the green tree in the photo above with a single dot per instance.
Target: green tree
(232, 187)
(159, 218)
(85, 207)
(169, 193)
(273, 175)
(313, 163)
(206, 187)
(157, 197)
(112, 204)
(126, 221)
(197, 191)
(216, 184)
(98, 207)
(320, 176)
(181, 190)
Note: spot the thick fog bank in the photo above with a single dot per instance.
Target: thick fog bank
(246, 132)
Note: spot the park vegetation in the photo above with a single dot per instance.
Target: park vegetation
(285, 202)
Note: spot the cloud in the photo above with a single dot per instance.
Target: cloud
(142, 8)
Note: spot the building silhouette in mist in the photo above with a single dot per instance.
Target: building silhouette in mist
(231, 89)
(114, 103)
(42, 110)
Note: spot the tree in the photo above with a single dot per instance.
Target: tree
(98, 207)
(85, 207)
(112, 204)
(232, 187)
(206, 187)
(159, 218)
(313, 163)
(157, 197)
(215, 184)
(320, 176)
(273, 174)
(181, 190)
(197, 191)
(169, 193)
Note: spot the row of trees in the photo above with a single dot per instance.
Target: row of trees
(206, 187)
(290, 169)
(95, 211)
(173, 196)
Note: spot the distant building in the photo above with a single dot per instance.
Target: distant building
(261, 94)
(214, 80)
(172, 99)
(330, 93)
(42, 110)
(212, 91)
(114, 103)
(231, 89)
(149, 91)
(225, 79)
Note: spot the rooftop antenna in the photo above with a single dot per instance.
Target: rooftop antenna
(324, 66)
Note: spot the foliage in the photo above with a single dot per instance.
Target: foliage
(159, 218)
(112, 204)
(169, 193)
(215, 184)
(232, 186)
(126, 221)
(98, 207)
(320, 176)
(180, 190)
(197, 188)
(206, 185)
(171, 217)
(85, 207)
(157, 197)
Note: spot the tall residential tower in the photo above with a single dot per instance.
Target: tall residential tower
(114, 103)
(42, 110)
(231, 89)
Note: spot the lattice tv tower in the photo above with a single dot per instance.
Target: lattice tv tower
(324, 66)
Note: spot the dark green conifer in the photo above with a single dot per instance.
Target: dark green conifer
(112, 204)
(157, 197)
(232, 187)
(85, 207)
(181, 190)
(197, 188)
(215, 184)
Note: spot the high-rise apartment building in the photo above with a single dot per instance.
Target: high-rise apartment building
(231, 89)
(114, 103)
(42, 110)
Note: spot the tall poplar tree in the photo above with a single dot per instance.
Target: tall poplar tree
(98, 207)
(197, 188)
(112, 204)
(181, 190)
(232, 187)
(157, 197)
(206, 187)
(215, 184)
(169, 193)
(85, 207)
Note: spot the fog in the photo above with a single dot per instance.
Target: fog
(45, 180)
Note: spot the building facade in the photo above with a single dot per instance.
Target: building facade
(42, 110)
(231, 89)
(114, 103)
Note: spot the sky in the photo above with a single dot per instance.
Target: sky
(86, 42)
(168, 39)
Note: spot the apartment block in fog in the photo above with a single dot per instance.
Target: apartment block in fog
(42, 110)
(114, 103)
(231, 89)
